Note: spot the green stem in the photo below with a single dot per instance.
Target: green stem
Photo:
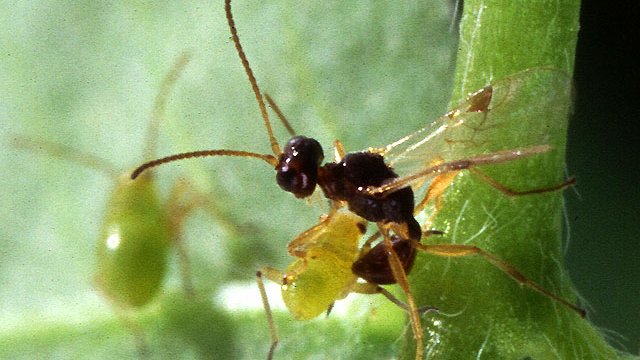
(494, 316)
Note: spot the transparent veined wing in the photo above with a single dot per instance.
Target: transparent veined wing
(516, 116)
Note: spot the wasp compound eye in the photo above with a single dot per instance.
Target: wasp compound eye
(298, 166)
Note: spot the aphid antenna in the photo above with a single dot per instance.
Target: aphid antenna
(66, 153)
(160, 104)
(98, 163)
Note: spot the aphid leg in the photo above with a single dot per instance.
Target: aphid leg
(371, 289)
(448, 250)
(120, 310)
(308, 236)
(510, 192)
(280, 114)
(275, 276)
(185, 267)
(142, 347)
(401, 279)
(182, 200)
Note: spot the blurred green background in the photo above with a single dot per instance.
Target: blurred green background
(86, 74)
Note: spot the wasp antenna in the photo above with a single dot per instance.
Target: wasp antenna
(275, 147)
(270, 159)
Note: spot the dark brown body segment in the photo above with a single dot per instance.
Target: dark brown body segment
(374, 265)
(348, 179)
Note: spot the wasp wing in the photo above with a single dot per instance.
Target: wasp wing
(516, 116)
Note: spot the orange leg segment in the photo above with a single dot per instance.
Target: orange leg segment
(401, 278)
(467, 250)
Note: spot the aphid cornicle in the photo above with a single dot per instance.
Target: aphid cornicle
(138, 229)
(370, 185)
